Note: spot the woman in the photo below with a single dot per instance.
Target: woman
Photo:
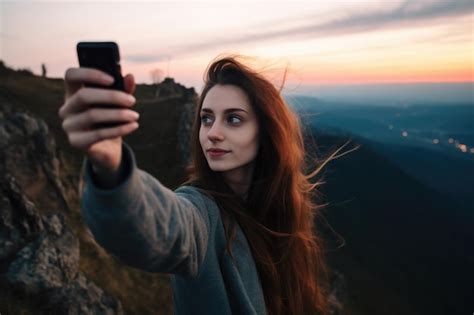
(238, 235)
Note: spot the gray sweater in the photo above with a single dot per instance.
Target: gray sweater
(148, 226)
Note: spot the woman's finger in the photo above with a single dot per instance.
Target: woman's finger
(87, 119)
(85, 139)
(129, 82)
(87, 97)
(76, 77)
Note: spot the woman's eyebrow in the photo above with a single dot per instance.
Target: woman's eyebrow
(228, 110)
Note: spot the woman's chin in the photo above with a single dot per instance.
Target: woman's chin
(218, 168)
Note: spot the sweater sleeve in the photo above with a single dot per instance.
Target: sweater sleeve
(144, 224)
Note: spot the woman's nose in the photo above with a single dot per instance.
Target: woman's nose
(215, 133)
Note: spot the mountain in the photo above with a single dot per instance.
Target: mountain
(49, 261)
(404, 204)
(408, 248)
(425, 141)
(444, 172)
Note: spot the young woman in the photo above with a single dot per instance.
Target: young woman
(239, 235)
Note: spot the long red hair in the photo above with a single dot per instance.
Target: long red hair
(279, 216)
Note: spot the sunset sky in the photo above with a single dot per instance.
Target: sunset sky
(320, 42)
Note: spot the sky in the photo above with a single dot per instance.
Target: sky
(319, 43)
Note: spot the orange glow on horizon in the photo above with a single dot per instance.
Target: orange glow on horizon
(391, 77)
(325, 75)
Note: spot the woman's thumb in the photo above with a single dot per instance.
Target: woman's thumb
(129, 83)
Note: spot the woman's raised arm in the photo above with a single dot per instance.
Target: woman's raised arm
(146, 225)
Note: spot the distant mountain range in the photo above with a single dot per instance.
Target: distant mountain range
(389, 94)
(434, 144)
(408, 248)
(404, 208)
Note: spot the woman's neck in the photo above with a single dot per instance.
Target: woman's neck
(240, 179)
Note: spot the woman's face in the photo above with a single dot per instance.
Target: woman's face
(229, 123)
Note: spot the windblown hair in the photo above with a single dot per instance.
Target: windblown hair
(279, 215)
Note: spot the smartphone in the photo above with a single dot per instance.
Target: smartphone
(103, 56)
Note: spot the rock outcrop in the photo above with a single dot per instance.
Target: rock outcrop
(39, 252)
(168, 88)
(186, 121)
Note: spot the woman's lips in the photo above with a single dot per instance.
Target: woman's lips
(217, 153)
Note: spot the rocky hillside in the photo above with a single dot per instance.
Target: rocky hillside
(49, 261)
(39, 251)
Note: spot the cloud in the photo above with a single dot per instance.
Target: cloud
(8, 36)
(407, 13)
(142, 58)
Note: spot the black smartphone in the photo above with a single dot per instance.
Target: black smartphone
(104, 56)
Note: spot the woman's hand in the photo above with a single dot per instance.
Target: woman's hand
(80, 115)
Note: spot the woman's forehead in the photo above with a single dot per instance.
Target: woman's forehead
(222, 98)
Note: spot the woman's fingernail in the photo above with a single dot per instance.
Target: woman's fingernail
(131, 98)
(108, 78)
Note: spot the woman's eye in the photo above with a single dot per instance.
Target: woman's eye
(205, 120)
(235, 119)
